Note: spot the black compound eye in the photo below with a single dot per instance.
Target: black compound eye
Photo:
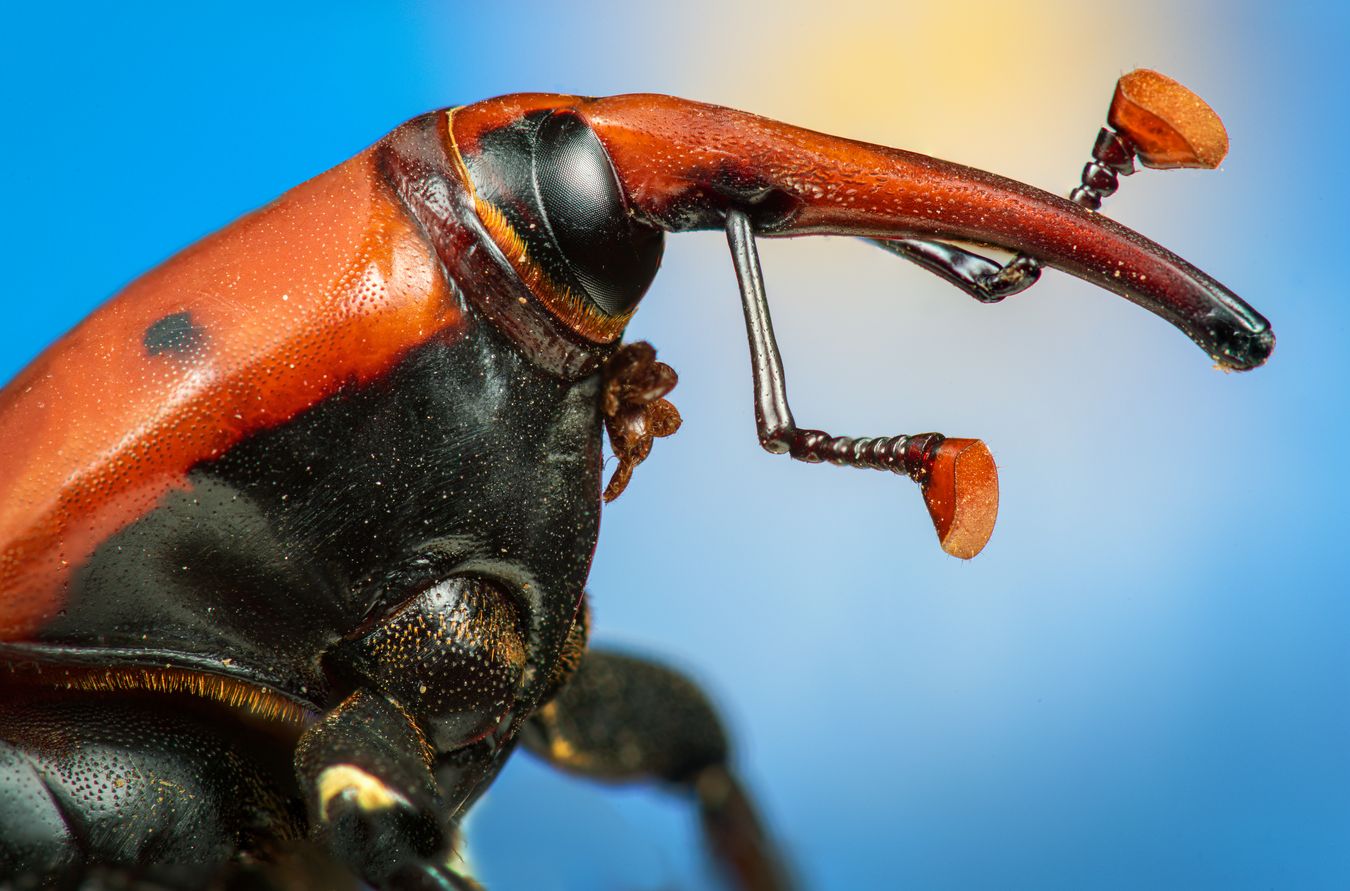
(612, 256)
(550, 178)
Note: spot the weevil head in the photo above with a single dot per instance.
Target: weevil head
(546, 191)
(599, 179)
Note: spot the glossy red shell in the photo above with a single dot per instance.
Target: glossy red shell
(328, 286)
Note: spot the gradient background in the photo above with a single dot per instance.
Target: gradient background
(1140, 683)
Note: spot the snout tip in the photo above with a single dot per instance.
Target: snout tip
(1241, 348)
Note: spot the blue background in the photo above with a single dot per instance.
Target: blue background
(1140, 683)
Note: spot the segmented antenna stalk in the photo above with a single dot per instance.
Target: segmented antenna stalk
(908, 455)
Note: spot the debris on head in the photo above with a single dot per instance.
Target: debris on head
(634, 410)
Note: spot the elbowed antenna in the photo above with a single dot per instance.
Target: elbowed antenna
(1152, 118)
(958, 476)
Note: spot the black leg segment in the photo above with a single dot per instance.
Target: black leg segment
(367, 773)
(624, 719)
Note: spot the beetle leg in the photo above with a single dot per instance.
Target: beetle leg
(366, 771)
(388, 770)
(624, 719)
(433, 877)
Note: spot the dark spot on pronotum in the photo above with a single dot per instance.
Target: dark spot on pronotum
(174, 334)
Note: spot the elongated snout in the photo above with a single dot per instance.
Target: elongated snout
(684, 165)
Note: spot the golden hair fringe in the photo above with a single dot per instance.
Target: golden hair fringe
(255, 700)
